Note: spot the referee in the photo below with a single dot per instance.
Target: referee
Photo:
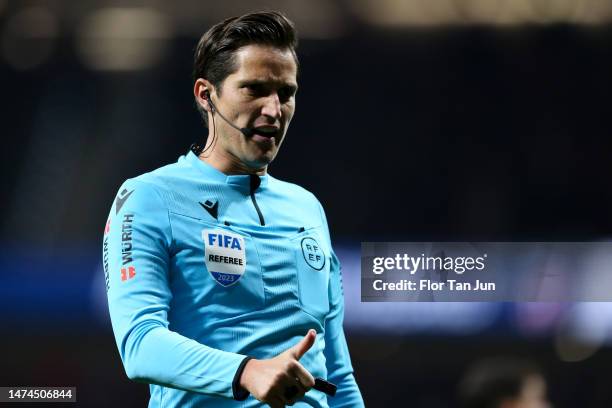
(222, 282)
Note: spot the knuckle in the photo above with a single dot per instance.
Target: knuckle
(291, 365)
(278, 378)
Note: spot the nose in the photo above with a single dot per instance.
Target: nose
(272, 106)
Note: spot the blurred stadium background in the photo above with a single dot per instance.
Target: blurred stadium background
(416, 120)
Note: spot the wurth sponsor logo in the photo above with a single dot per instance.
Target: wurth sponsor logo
(127, 273)
(126, 238)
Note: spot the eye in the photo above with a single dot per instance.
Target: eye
(285, 93)
(255, 89)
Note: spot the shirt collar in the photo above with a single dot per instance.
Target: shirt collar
(212, 173)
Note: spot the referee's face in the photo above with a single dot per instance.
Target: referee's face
(260, 94)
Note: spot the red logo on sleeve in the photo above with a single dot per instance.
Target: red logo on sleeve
(128, 273)
(107, 228)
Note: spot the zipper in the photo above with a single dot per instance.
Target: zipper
(255, 182)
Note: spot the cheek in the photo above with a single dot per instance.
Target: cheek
(288, 111)
(232, 141)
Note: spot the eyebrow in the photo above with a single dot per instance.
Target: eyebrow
(291, 86)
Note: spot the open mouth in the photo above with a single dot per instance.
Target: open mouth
(266, 132)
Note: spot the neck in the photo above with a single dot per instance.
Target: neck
(229, 164)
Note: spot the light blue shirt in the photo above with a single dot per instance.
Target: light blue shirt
(203, 269)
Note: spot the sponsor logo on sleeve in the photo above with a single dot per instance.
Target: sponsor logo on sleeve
(126, 238)
(128, 271)
(224, 256)
(107, 227)
(105, 253)
(121, 199)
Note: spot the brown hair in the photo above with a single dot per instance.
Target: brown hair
(214, 57)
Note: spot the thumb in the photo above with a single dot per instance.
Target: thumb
(304, 345)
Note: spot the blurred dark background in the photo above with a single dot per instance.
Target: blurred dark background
(453, 120)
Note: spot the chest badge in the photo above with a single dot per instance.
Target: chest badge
(313, 254)
(224, 255)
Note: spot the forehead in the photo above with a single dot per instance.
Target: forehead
(265, 63)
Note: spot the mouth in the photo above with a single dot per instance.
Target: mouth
(266, 132)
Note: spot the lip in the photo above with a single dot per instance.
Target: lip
(269, 135)
(263, 140)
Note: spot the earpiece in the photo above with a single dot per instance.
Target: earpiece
(207, 97)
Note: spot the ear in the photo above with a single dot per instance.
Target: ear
(201, 92)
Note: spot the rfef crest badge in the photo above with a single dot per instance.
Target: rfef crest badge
(313, 254)
(224, 255)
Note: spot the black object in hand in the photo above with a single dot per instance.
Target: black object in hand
(325, 386)
(291, 392)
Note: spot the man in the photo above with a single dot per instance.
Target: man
(503, 383)
(221, 279)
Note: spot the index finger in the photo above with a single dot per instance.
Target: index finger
(305, 378)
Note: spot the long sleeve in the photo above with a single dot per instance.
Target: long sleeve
(338, 360)
(137, 250)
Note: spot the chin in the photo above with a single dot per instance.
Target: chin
(257, 162)
(263, 159)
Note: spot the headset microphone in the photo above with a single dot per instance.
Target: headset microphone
(247, 132)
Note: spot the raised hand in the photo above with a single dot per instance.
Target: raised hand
(280, 380)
